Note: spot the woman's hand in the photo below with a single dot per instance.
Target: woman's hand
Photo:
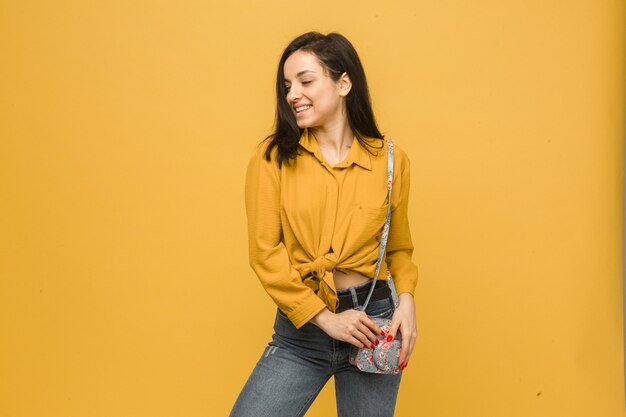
(404, 319)
(352, 326)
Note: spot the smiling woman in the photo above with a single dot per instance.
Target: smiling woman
(316, 197)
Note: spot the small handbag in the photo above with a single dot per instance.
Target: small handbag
(384, 357)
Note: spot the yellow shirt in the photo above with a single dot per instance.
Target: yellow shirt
(306, 219)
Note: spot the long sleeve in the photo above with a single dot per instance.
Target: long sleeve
(268, 255)
(399, 250)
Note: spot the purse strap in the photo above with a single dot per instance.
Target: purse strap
(385, 235)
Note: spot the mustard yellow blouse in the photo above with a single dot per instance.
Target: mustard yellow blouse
(307, 219)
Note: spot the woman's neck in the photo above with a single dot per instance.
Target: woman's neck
(334, 140)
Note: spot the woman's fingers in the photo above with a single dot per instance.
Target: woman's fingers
(361, 332)
(354, 341)
(404, 350)
(372, 325)
(358, 329)
(408, 344)
(374, 331)
(369, 337)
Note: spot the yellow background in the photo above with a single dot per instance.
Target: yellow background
(125, 129)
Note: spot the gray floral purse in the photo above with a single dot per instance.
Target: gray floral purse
(383, 358)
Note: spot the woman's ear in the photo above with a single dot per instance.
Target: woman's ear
(345, 85)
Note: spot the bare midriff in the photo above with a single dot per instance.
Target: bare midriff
(347, 278)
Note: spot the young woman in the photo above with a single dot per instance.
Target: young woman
(316, 202)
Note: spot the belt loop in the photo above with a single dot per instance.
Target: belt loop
(355, 299)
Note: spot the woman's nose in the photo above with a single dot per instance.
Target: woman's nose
(293, 94)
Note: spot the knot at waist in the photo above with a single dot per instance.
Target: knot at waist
(319, 266)
(318, 276)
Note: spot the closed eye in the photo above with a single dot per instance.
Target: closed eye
(303, 82)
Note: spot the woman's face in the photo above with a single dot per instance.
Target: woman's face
(315, 99)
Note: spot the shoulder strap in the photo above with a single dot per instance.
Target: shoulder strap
(385, 235)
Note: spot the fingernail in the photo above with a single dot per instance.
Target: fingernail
(376, 341)
(382, 333)
(372, 347)
(389, 338)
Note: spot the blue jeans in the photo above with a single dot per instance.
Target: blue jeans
(296, 364)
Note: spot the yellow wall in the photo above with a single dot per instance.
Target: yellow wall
(125, 129)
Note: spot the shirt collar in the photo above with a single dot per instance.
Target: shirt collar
(357, 154)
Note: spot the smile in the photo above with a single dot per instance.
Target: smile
(302, 108)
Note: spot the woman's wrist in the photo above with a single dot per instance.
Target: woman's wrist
(405, 296)
(322, 317)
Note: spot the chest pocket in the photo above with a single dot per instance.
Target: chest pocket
(366, 225)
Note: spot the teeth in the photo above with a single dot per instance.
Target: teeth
(301, 108)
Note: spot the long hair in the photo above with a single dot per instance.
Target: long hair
(337, 55)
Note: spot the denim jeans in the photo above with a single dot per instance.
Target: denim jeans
(296, 364)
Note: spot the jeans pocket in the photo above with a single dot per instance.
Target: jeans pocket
(381, 308)
(281, 314)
